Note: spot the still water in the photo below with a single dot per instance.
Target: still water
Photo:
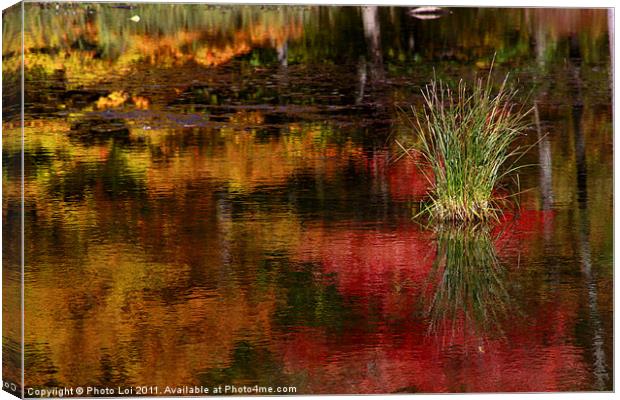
(213, 196)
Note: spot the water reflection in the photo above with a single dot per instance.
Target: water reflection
(469, 282)
(222, 182)
(598, 354)
(372, 33)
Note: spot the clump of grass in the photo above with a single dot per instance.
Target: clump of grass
(466, 136)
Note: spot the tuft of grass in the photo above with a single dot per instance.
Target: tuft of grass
(467, 138)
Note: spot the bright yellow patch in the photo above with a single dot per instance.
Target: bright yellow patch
(113, 100)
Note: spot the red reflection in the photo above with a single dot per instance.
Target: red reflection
(404, 177)
(377, 264)
(533, 357)
(518, 230)
(407, 179)
(388, 269)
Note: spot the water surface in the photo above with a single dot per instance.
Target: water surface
(212, 198)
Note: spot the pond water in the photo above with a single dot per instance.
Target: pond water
(213, 197)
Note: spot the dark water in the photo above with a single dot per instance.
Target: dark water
(212, 198)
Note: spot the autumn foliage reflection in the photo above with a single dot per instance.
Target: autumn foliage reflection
(206, 202)
(459, 292)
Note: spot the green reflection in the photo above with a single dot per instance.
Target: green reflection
(469, 281)
(250, 365)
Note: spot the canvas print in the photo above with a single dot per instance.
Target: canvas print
(219, 199)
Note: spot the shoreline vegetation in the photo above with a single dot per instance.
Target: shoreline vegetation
(466, 137)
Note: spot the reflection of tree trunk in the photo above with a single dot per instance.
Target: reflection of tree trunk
(596, 326)
(544, 160)
(283, 54)
(372, 32)
(361, 73)
(546, 174)
(598, 342)
(580, 157)
(541, 46)
(540, 36)
(580, 147)
(282, 75)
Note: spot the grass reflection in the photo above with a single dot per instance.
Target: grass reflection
(469, 280)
